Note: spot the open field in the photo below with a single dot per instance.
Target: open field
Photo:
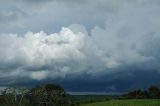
(91, 98)
(143, 102)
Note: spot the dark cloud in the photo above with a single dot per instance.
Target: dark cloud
(104, 45)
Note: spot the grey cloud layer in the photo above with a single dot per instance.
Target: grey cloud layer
(51, 15)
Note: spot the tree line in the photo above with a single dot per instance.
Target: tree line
(43, 95)
(55, 95)
(153, 92)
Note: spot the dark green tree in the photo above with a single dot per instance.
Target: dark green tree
(13, 96)
(136, 94)
(50, 95)
(154, 92)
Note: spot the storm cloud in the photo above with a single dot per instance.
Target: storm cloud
(106, 41)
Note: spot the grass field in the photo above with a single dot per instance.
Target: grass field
(143, 102)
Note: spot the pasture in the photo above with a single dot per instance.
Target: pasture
(140, 102)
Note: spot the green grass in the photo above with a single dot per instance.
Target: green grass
(143, 102)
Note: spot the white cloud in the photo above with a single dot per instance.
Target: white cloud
(44, 48)
(34, 51)
(39, 75)
(40, 48)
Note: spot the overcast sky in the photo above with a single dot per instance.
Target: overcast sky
(102, 45)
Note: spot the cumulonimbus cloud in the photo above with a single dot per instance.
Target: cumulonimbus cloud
(130, 39)
(39, 49)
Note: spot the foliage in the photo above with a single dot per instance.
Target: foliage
(12, 96)
(44, 95)
(54, 95)
(153, 92)
(50, 95)
(136, 94)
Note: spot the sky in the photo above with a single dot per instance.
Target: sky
(83, 45)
